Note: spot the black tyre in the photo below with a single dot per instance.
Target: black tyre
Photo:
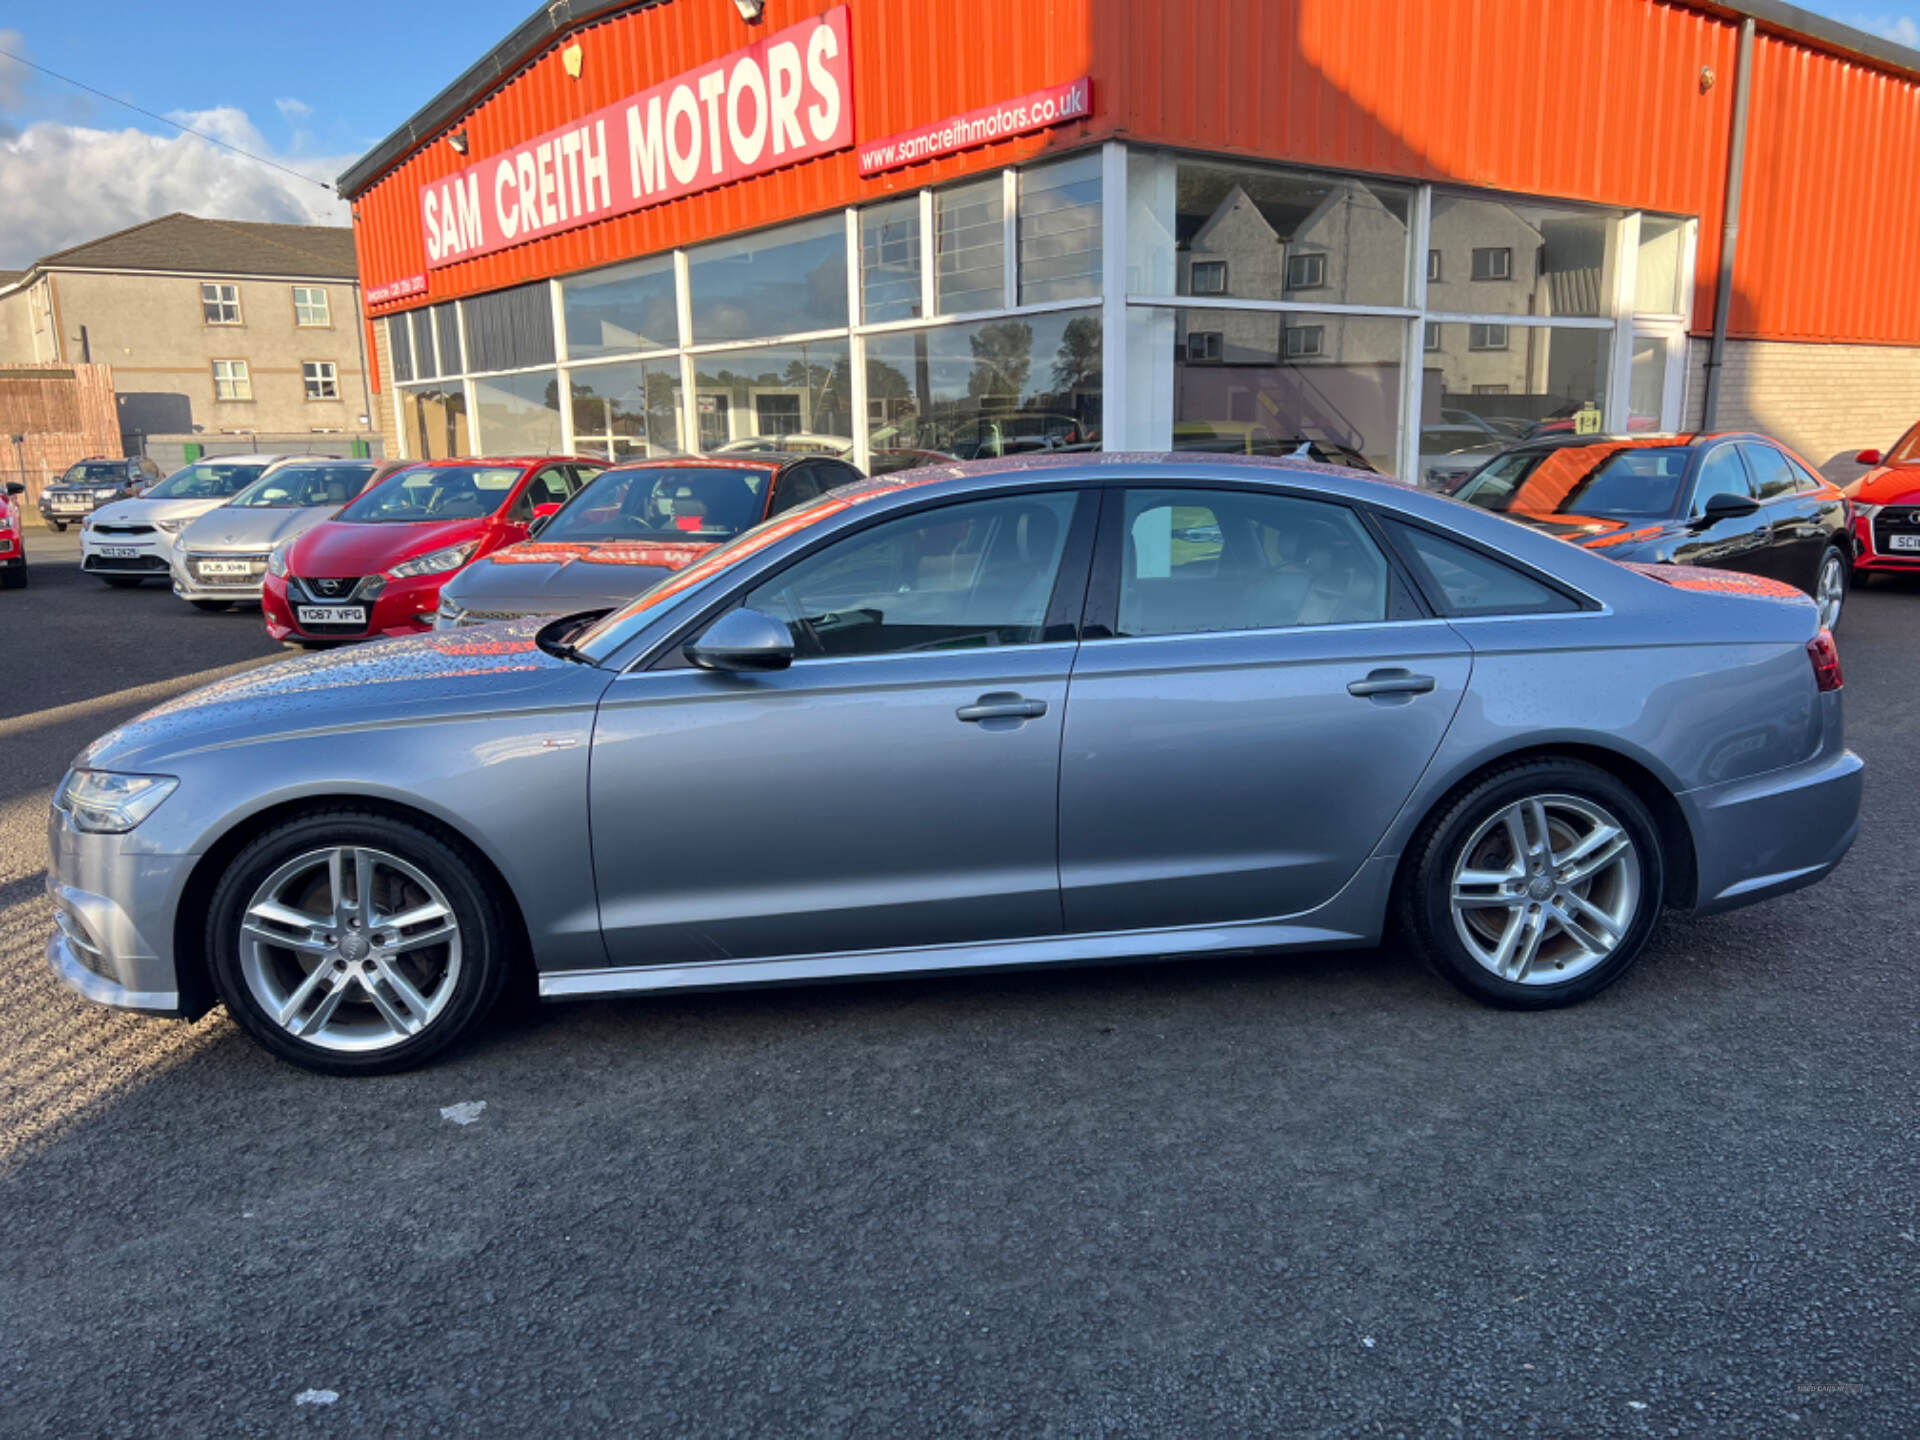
(1528, 928)
(60, 525)
(351, 943)
(1830, 588)
(210, 606)
(122, 582)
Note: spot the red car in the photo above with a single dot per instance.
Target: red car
(376, 568)
(1886, 510)
(13, 543)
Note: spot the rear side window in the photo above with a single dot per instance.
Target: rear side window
(1196, 561)
(1474, 583)
(1772, 476)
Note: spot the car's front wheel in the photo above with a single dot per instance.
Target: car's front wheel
(1537, 886)
(353, 943)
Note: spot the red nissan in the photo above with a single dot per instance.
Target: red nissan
(376, 568)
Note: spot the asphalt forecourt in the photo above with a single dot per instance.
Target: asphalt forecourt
(1320, 1195)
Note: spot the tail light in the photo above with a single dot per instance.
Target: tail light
(1825, 656)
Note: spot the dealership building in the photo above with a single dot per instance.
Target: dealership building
(1397, 232)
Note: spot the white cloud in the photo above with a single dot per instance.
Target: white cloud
(292, 109)
(1903, 28)
(62, 184)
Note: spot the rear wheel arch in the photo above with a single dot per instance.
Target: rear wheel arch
(192, 976)
(1676, 835)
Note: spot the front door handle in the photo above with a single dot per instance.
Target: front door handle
(1390, 682)
(1003, 707)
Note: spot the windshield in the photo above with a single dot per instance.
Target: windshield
(109, 471)
(663, 502)
(1907, 451)
(296, 486)
(435, 492)
(207, 480)
(1606, 481)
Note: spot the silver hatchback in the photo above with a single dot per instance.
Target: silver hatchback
(1073, 709)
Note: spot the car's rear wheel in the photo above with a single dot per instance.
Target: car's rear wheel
(122, 582)
(1830, 590)
(353, 943)
(210, 605)
(1536, 886)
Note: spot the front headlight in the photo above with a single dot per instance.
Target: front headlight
(449, 615)
(106, 494)
(1867, 512)
(435, 562)
(101, 802)
(174, 527)
(277, 559)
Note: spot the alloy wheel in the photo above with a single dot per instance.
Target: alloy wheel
(1831, 593)
(350, 948)
(1545, 889)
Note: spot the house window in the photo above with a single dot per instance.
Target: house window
(310, 306)
(1486, 337)
(1209, 277)
(1306, 272)
(1306, 340)
(231, 381)
(1490, 390)
(1433, 336)
(1433, 269)
(1203, 345)
(322, 381)
(220, 304)
(1494, 262)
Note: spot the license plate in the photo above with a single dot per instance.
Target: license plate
(121, 552)
(330, 614)
(69, 502)
(1903, 542)
(217, 568)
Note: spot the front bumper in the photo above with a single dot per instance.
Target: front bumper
(402, 607)
(1769, 834)
(189, 586)
(1874, 536)
(113, 919)
(51, 510)
(148, 555)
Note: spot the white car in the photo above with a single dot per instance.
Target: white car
(222, 557)
(132, 540)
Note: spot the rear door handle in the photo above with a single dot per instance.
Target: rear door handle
(1390, 682)
(1003, 707)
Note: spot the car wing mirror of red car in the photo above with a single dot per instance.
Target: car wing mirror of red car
(541, 512)
(1867, 457)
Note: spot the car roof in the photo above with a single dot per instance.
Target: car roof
(1676, 438)
(732, 460)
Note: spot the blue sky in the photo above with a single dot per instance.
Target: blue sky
(313, 89)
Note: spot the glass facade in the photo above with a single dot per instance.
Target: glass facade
(1411, 330)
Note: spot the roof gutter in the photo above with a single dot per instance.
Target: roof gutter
(473, 84)
(1729, 224)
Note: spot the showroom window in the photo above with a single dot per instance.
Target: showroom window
(628, 411)
(621, 310)
(425, 363)
(779, 282)
(970, 231)
(433, 422)
(890, 261)
(505, 330)
(1060, 231)
(400, 348)
(765, 396)
(518, 414)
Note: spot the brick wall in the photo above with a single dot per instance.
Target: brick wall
(383, 419)
(1828, 402)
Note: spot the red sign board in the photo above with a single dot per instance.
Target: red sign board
(786, 99)
(396, 289)
(1055, 106)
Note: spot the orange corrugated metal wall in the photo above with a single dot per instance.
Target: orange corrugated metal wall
(1600, 101)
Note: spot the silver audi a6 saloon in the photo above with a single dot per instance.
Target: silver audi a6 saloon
(1016, 712)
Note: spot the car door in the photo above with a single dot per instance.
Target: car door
(896, 786)
(1255, 697)
(1797, 539)
(1736, 542)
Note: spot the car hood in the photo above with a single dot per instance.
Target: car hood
(341, 547)
(250, 527)
(147, 512)
(387, 682)
(1888, 485)
(561, 577)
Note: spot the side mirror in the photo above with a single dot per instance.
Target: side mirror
(743, 640)
(1867, 457)
(15, 487)
(1728, 507)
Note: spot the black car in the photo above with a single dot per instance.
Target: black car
(631, 526)
(1728, 501)
(91, 483)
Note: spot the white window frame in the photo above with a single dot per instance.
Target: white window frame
(324, 308)
(1318, 333)
(238, 379)
(1503, 271)
(219, 300)
(324, 373)
(1218, 347)
(1480, 337)
(1212, 267)
(1315, 262)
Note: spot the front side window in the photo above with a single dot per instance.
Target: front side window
(321, 379)
(310, 306)
(435, 492)
(220, 304)
(1473, 583)
(1721, 473)
(1772, 476)
(295, 487)
(206, 480)
(231, 380)
(663, 504)
(1196, 561)
(957, 578)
